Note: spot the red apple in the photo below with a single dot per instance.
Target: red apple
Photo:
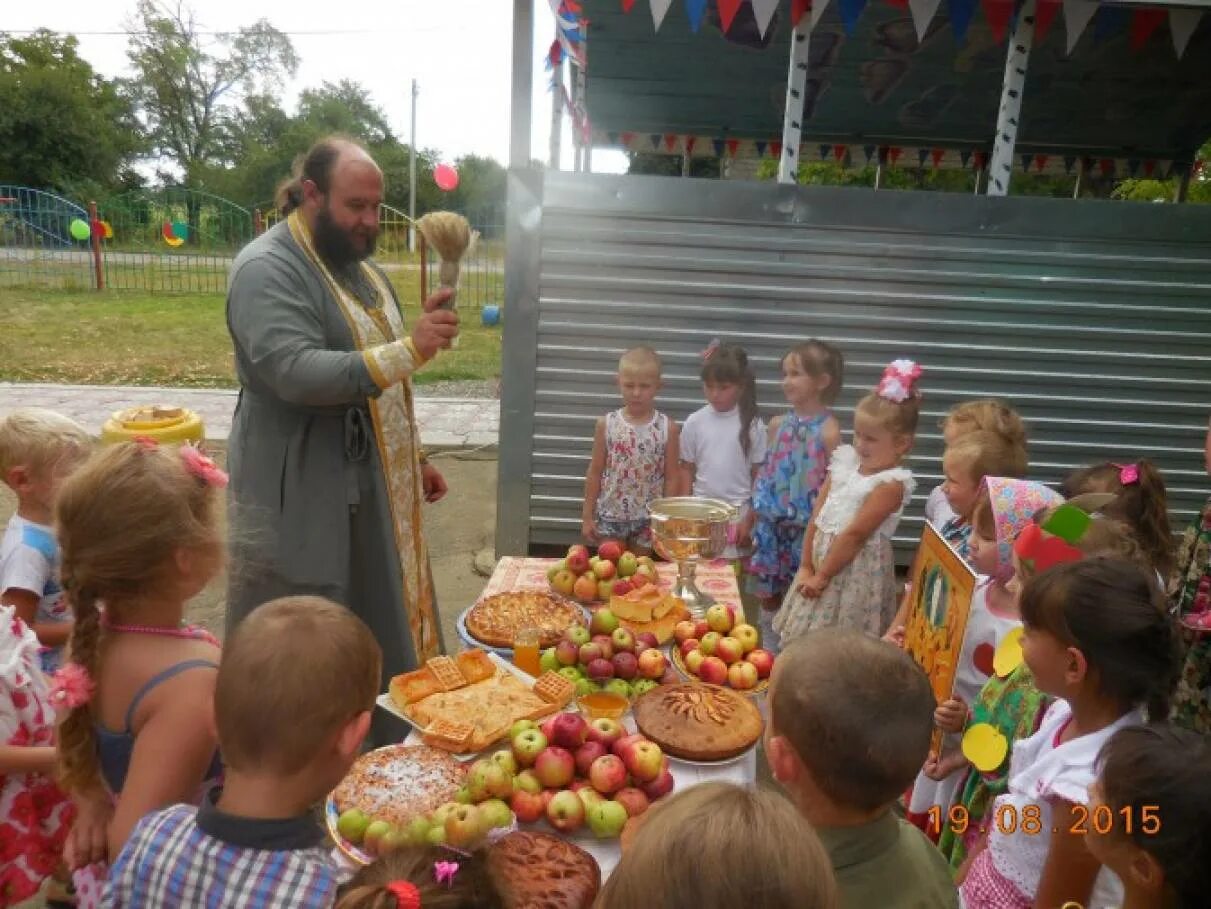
(700, 629)
(605, 731)
(748, 636)
(661, 786)
(647, 638)
(528, 806)
(625, 666)
(569, 731)
(547, 728)
(555, 767)
(719, 618)
(608, 774)
(690, 644)
(624, 744)
(601, 669)
(644, 761)
(684, 630)
(585, 588)
(622, 587)
(610, 550)
(633, 800)
(588, 653)
(763, 660)
(605, 570)
(566, 653)
(607, 646)
(693, 661)
(578, 560)
(564, 582)
(713, 671)
(709, 642)
(742, 675)
(652, 664)
(729, 650)
(565, 811)
(623, 640)
(528, 745)
(587, 753)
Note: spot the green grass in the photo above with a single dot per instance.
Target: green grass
(141, 338)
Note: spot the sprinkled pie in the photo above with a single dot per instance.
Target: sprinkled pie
(540, 871)
(698, 722)
(496, 620)
(400, 782)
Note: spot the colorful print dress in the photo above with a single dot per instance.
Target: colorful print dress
(633, 475)
(783, 498)
(1191, 596)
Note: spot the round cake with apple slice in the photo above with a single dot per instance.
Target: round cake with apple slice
(540, 871)
(699, 722)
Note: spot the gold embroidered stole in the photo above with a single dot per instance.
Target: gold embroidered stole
(395, 432)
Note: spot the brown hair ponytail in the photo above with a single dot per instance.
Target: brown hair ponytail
(1142, 503)
(727, 364)
(78, 767)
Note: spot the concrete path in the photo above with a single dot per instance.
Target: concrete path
(444, 422)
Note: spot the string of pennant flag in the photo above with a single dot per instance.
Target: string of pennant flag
(893, 155)
(1109, 20)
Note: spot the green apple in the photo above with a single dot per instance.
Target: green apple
(619, 687)
(606, 819)
(438, 818)
(437, 834)
(505, 758)
(577, 634)
(352, 825)
(643, 686)
(375, 831)
(627, 564)
(392, 841)
(494, 813)
(603, 622)
(463, 796)
(586, 686)
(571, 673)
(547, 662)
(519, 727)
(417, 832)
(556, 569)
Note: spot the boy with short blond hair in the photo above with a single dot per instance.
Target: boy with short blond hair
(851, 719)
(38, 450)
(293, 698)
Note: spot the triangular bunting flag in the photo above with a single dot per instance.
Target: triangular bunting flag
(719, 146)
(818, 10)
(775, 149)
(627, 139)
(894, 153)
(627, 5)
(964, 157)
(690, 142)
(1069, 160)
(850, 11)
(1043, 19)
(1077, 14)
(763, 12)
(961, 12)
(1040, 161)
(922, 14)
(1110, 22)
(1143, 23)
(695, 9)
(760, 146)
(1182, 23)
(869, 151)
(670, 141)
(727, 12)
(798, 9)
(937, 155)
(824, 150)
(882, 154)
(733, 145)
(839, 152)
(981, 160)
(1026, 159)
(1149, 168)
(655, 137)
(997, 12)
(1133, 164)
(612, 138)
(659, 9)
(1107, 167)
(922, 154)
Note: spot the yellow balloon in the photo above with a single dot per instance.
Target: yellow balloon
(985, 747)
(1009, 653)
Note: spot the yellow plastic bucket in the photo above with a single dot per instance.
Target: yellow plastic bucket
(155, 421)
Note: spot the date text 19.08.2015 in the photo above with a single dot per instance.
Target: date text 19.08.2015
(1010, 819)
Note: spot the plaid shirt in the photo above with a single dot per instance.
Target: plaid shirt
(187, 857)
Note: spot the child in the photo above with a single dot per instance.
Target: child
(847, 576)
(719, 846)
(801, 442)
(723, 443)
(1009, 701)
(1140, 502)
(634, 458)
(1190, 594)
(1150, 816)
(983, 415)
(1004, 508)
(1098, 639)
(292, 706)
(966, 463)
(849, 726)
(139, 527)
(38, 449)
(429, 878)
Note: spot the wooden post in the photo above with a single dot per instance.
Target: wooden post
(94, 240)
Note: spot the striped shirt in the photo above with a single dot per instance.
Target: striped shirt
(201, 857)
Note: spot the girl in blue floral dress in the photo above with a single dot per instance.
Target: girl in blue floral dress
(785, 491)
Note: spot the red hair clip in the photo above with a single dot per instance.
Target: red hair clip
(406, 894)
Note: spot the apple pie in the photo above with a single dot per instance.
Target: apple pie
(540, 871)
(699, 722)
(496, 620)
(400, 782)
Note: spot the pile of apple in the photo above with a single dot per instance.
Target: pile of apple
(607, 657)
(578, 774)
(720, 651)
(612, 572)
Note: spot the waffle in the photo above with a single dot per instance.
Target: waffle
(445, 673)
(554, 689)
(540, 871)
(399, 783)
(497, 619)
(448, 735)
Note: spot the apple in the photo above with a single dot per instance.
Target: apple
(661, 786)
(605, 589)
(586, 686)
(729, 650)
(589, 652)
(622, 586)
(742, 676)
(519, 727)
(709, 642)
(611, 550)
(564, 582)
(578, 560)
(556, 568)
(463, 827)
(605, 571)
(620, 687)
(585, 588)
(417, 832)
(646, 637)
(633, 800)
(589, 796)
(763, 660)
(488, 779)
(651, 664)
(603, 622)
(644, 761)
(374, 832)
(627, 564)
(463, 796)
(606, 819)
(690, 644)
(640, 647)
(436, 835)
(565, 811)
(713, 671)
(606, 644)
(684, 631)
(578, 548)
(587, 753)
(623, 746)
(528, 745)
(569, 731)
(571, 673)
(693, 661)
(392, 841)
(528, 806)
(527, 781)
(438, 818)
(646, 560)
(625, 665)
(494, 813)
(548, 727)
(566, 653)
(748, 636)
(547, 661)
(547, 795)
(719, 618)
(555, 767)
(623, 640)
(601, 669)
(608, 774)
(641, 687)
(577, 634)
(700, 629)
(646, 574)
(352, 825)
(505, 759)
(604, 731)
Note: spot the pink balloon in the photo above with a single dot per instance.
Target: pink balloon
(446, 177)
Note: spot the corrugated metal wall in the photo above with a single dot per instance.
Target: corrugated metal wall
(1091, 318)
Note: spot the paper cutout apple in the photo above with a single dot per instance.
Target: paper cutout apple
(1009, 653)
(985, 747)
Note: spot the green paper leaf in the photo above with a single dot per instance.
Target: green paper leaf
(1068, 523)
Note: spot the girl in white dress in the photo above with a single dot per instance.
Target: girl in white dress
(847, 574)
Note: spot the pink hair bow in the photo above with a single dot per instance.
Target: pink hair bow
(1128, 474)
(443, 872)
(71, 687)
(203, 467)
(898, 380)
(710, 350)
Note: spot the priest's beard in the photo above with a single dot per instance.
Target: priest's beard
(338, 246)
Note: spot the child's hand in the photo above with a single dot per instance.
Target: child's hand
(896, 636)
(87, 842)
(951, 715)
(588, 530)
(939, 768)
(813, 585)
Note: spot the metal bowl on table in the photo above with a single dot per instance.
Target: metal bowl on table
(687, 530)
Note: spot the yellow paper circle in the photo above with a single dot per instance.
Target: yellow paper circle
(1009, 653)
(985, 747)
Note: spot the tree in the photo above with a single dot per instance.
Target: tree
(62, 126)
(1150, 190)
